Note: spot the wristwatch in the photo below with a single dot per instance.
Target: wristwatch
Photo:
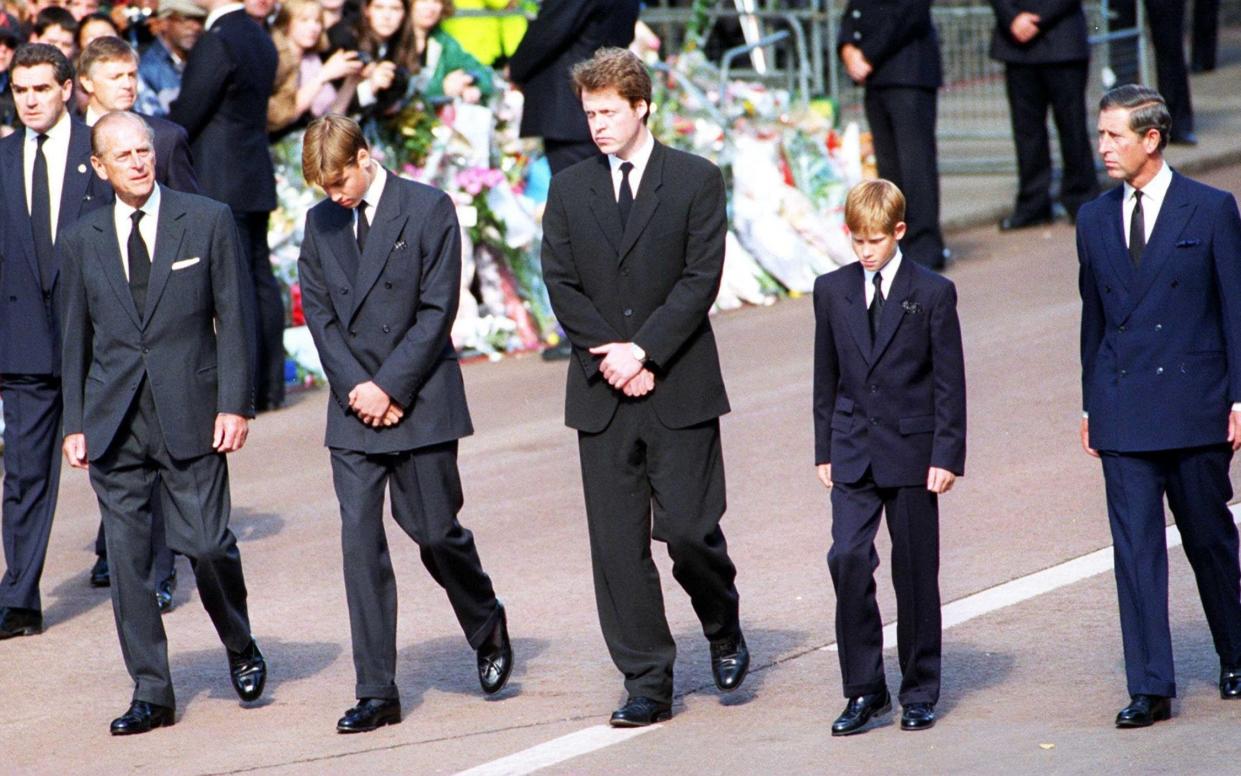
(637, 352)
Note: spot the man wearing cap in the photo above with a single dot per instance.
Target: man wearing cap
(178, 27)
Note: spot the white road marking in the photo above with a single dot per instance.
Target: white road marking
(1001, 596)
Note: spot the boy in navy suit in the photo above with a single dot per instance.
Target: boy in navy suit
(889, 426)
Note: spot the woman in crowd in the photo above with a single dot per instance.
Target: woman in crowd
(304, 87)
(384, 39)
(450, 71)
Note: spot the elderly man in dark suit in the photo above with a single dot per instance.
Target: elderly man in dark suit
(47, 184)
(633, 251)
(1160, 284)
(157, 392)
(891, 48)
(381, 270)
(1046, 56)
(227, 82)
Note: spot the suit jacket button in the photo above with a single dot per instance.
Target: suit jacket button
(857, 36)
(386, 328)
(344, 290)
(146, 351)
(387, 284)
(874, 389)
(1121, 329)
(1158, 327)
(1159, 370)
(628, 312)
(353, 334)
(874, 421)
(1124, 372)
(857, 14)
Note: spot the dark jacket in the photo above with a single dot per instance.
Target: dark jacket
(1062, 32)
(174, 164)
(898, 39)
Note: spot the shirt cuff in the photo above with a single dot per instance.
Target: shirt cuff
(366, 94)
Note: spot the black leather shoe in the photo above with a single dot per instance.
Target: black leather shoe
(1184, 138)
(1144, 711)
(1011, 223)
(640, 712)
(99, 575)
(730, 660)
(20, 622)
(495, 657)
(164, 591)
(858, 711)
(370, 714)
(918, 716)
(1230, 684)
(142, 717)
(248, 670)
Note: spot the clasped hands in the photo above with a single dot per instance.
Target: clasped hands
(373, 406)
(622, 371)
(938, 481)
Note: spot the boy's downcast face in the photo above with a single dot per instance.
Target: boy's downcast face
(874, 249)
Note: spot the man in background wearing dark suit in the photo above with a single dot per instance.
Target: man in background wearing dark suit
(1161, 388)
(1046, 57)
(47, 184)
(108, 75)
(157, 391)
(633, 251)
(891, 48)
(1166, 20)
(381, 274)
(227, 82)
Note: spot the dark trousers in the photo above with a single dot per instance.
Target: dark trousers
(1195, 481)
(633, 469)
(162, 558)
(913, 524)
(195, 501)
(426, 496)
(1205, 34)
(266, 305)
(32, 440)
(1032, 90)
(902, 123)
(1166, 19)
(566, 153)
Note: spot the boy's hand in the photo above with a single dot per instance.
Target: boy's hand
(824, 470)
(939, 480)
(1086, 439)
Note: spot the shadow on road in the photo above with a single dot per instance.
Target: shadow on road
(73, 597)
(693, 668)
(206, 670)
(965, 671)
(448, 665)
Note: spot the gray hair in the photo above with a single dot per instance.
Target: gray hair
(96, 132)
(1147, 109)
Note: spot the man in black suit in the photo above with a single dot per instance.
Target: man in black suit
(891, 48)
(889, 437)
(633, 251)
(157, 391)
(227, 82)
(1205, 36)
(49, 162)
(108, 75)
(1166, 20)
(381, 274)
(564, 33)
(1046, 57)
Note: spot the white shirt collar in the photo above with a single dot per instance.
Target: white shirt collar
(887, 271)
(150, 207)
(376, 189)
(639, 158)
(215, 15)
(91, 117)
(58, 133)
(1156, 189)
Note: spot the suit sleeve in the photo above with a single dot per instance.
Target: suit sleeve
(826, 375)
(233, 362)
(1092, 313)
(910, 20)
(344, 373)
(78, 337)
(1005, 12)
(1226, 249)
(948, 368)
(576, 312)
(181, 175)
(206, 74)
(420, 350)
(557, 25)
(683, 312)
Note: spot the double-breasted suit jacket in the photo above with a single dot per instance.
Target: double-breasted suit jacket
(897, 407)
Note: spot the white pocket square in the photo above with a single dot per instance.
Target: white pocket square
(183, 263)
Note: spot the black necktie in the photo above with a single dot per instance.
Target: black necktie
(41, 216)
(876, 306)
(139, 264)
(625, 201)
(364, 226)
(1137, 230)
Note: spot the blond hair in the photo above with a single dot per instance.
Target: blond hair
(874, 206)
(331, 144)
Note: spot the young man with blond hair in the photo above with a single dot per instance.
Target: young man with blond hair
(889, 437)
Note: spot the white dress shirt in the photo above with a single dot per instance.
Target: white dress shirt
(56, 151)
(373, 194)
(640, 158)
(147, 227)
(887, 272)
(1153, 195)
(215, 15)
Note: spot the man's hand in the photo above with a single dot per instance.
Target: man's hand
(1025, 26)
(939, 481)
(393, 415)
(370, 403)
(1234, 430)
(1095, 453)
(230, 433)
(75, 451)
(618, 365)
(641, 384)
(855, 63)
(824, 471)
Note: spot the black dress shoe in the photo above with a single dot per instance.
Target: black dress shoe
(495, 657)
(858, 711)
(918, 716)
(370, 714)
(640, 712)
(1144, 711)
(142, 717)
(99, 575)
(164, 591)
(248, 670)
(730, 660)
(1013, 222)
(20, 622)
(1230, 684)
(1184, 138)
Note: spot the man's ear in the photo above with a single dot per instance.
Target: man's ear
(97, 164)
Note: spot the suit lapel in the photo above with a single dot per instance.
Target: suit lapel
(18, 214)
(1174, 213)
(169, 232)
(78, 174)
(893, 310)
(603, 203)
(646, 200)
(1114, 238)
(389, 221)
(108, 254)
(855, 312)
